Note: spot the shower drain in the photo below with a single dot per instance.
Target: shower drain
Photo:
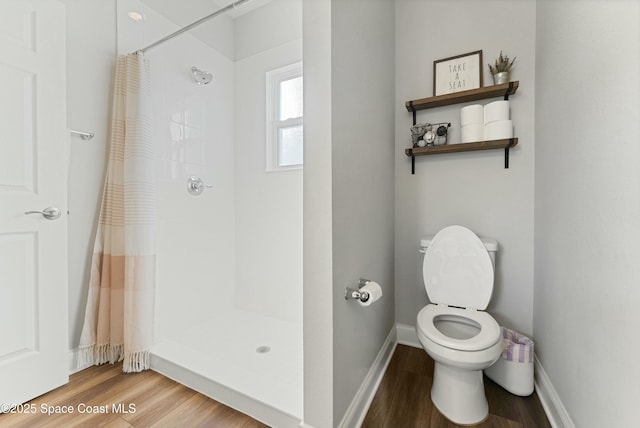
(263, 349)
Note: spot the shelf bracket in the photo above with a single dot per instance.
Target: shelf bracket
(512, 143)
(412, 108)
(413, 165)
(509, 91)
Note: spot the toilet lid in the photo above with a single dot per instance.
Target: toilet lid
(457, 269)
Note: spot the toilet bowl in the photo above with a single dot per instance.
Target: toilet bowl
(454, 330)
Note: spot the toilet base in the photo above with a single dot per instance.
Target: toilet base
(459, 394)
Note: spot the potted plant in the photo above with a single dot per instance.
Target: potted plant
(501, 69)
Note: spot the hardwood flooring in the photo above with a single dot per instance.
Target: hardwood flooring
(403, 399)
(149, 399)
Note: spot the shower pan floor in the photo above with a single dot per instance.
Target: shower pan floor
(246, 360)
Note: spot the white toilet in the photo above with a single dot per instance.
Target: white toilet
(455, 331)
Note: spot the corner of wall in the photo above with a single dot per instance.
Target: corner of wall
(357, 410)
(553, 407)
(317, 227)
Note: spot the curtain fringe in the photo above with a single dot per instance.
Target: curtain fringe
(135, 361)
(107, 353)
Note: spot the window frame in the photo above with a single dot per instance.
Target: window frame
(274, 124)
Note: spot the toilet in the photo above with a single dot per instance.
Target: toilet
(462, 339)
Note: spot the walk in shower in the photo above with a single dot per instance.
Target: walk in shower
(229, 256)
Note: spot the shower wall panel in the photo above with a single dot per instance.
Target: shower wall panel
(268, 204)
(193, 130)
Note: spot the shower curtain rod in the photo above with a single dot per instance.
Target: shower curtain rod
(193, 24)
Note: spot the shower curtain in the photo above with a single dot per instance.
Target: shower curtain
(118, 323)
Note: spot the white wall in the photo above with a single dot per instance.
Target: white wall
(587, 239)
(317, 227)
(274, 24)
(471, 189)
(91, 50)
(268, 204)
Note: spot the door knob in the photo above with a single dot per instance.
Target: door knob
(50, 213)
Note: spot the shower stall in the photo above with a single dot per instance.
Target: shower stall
(228, 310)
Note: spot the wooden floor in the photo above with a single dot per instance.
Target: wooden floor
(157, 402)
(403, 399)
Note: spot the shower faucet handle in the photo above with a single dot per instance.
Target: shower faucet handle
(196, 186)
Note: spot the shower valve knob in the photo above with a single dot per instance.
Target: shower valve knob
(195, 185)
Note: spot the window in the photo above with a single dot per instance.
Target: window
(284, 118)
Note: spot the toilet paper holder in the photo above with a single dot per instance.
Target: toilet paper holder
(353, 294)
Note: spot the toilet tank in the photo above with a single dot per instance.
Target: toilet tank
(490, 244)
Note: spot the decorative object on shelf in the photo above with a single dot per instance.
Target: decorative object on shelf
(457, 73)
(429, 134)
(417, 134)
(439, 133)
(501, 69)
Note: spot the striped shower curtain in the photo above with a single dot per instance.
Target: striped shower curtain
(118, 324)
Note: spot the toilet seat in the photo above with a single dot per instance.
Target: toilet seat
(489, 329)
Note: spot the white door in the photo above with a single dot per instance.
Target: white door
(33, 159)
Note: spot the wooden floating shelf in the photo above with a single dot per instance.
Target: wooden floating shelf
(462, 147)
(503, 90)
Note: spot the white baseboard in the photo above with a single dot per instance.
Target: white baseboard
(406, 335)
(73, 361)
(553, 407)
(359, 406)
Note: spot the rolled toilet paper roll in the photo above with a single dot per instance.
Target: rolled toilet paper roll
(374, 290)
(498, 130)
(495, 111)
(472, 132)
(471, 114)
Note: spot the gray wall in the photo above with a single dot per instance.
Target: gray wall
(362, 51)
(587, 232)
(348, 196)
(471, 189)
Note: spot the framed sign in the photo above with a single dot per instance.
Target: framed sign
(457, 73)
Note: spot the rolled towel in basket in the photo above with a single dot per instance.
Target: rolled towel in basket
(517, 347)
